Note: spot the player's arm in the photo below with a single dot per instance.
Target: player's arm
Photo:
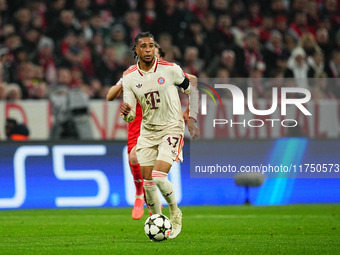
(184, 83)
(115, 91)
(193, 82)
(128, 109)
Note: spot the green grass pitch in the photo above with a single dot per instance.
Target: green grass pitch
(293, 229)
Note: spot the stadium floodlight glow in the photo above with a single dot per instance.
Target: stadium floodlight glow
(239, 100)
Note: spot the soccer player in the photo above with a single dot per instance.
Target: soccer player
(153, 82)
(133, 133)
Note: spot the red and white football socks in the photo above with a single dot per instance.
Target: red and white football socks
(152, 196)
(138, 179)
(166, 188)
(138, 208)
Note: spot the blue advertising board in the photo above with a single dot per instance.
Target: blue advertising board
(46, 175)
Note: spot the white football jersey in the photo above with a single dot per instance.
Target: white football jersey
(157, 93)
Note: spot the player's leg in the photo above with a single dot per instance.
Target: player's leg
(138, 208)
(160, 177)
(147, 157)
(151, 192)
(170, 150)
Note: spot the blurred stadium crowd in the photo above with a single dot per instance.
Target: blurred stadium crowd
(49, 44)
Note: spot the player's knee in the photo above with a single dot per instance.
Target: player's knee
(147, 176)
(146, 172)
(133, 157)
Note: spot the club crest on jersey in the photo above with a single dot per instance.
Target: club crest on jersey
(139, 85)
(161, 80)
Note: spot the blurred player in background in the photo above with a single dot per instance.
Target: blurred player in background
(133, 134)
(153, 82)
(16, 131)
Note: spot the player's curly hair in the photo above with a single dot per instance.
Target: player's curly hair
(143, 35)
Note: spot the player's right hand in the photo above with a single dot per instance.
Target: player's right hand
(125, 108)
(193, 129)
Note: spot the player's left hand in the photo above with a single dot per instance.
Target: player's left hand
(193, 129)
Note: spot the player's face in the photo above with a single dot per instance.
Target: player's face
(146, 49)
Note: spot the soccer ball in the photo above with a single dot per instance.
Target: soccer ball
(157, 227)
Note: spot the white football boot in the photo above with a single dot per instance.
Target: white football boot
(176, 221)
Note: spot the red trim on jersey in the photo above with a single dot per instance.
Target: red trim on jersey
(180, 146)
(140, 73)
(130, 70)
(156, 65)
(165, 63)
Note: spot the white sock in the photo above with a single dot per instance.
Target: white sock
(152, 197)
(166, 188)
(140, 196)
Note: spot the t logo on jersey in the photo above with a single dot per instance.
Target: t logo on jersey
(152, 99)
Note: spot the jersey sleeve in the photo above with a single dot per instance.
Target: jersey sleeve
(193, 94)
(178, 74)
(129, 97)
(190, 90)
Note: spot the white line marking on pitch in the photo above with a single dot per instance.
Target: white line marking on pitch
(250, 216)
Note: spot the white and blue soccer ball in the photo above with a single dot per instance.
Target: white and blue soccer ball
(157, 227)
